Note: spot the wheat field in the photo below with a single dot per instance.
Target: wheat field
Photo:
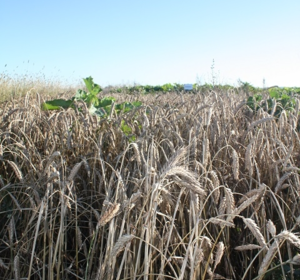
(202, 187)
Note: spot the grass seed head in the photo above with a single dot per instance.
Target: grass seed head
(110, 213)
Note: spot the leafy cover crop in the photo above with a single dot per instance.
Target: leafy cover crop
(100, 107)
(280, 99)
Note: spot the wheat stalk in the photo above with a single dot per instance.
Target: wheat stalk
(1, 183)
(3, 265)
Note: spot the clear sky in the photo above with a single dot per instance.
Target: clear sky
(153, 42)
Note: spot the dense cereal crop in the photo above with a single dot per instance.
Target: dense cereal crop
(186, 186)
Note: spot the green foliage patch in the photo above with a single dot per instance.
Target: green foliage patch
(282, 97)
(99, 107)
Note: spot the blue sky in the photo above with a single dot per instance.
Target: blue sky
(152, 42)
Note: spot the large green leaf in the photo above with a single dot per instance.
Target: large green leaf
(128, 106)
(125, 128)
(81, 95)
(274, 93)
(93, 88)
(105, 102)
(56, 104)
(100, 112)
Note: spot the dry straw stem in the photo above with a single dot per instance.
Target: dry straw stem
(121, 243)
(110, 213)
(1, 183)
(255, 231)
(3, 265)
(247, 247)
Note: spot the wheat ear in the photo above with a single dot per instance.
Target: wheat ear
(16, 170)
(221, 222)
(74, 171)
(255, 230)
(245, 204)
(281, 180)
(121, 243)
(111, 212)
(136, 153)
(235, 164)
(255, 123)
(267, 260)
(271, 228)
(247, 247)
(17, 267)
(219, 253)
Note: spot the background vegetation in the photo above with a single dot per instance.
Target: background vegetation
(201, 185)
